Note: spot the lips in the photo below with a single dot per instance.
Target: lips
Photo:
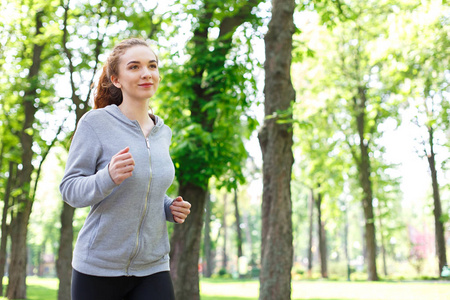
(146, 84)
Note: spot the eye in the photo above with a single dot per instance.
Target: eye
(134, 67)
(153, 66)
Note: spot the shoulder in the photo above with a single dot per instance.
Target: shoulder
(94, 115)
(98, 118)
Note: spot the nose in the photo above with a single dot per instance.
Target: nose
(146, 73)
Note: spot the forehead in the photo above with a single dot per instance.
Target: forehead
(138, 53)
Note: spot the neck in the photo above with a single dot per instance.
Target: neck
(135, 110)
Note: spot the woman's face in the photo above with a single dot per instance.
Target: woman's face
(138, 73)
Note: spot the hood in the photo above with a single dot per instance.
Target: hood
(115, 111)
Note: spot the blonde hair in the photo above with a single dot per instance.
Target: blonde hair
(107, 93)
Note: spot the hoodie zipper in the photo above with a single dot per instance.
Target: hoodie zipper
(136, 249)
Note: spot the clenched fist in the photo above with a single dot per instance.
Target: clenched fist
(180, 209)
(121, 166)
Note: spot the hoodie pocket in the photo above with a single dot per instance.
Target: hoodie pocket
(94, 232)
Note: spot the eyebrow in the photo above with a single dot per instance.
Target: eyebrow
(138, 62)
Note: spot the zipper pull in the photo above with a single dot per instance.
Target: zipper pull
(148, 143)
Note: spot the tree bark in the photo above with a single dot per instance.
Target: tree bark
(437, 211)
(322, 238)
(364, 169)
(19, 225)
(185, 245)
(275, 139)
(63, 263)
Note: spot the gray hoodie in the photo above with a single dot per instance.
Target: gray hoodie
(125, 233)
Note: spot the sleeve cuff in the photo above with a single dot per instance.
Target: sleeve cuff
(105, 181)
(167, 203)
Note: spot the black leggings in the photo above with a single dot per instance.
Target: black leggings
(153, 287)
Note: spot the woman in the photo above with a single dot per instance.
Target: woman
(119, 165)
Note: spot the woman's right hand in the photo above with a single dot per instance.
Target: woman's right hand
(121, 166)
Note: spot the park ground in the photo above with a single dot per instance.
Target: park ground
(230, 289)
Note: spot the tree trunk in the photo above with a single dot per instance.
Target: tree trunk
(322, 238)
(437, 211)
(5, 227)
(275, 139)
(17, 268)
(364, 169)
(63, 264)
(310, 232)
(185, 245)
(207, 253)
(19, 225)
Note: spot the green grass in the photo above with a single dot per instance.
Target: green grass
(39, 288)
(229, 289)
(331, 290)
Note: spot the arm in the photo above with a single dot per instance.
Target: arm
(82, 185)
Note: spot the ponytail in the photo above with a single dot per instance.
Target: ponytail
(107, 93)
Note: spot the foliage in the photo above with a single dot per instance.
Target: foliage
(354, 54)
(425, 61)
(206, 97)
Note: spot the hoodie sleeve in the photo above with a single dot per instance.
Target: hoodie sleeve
(83, 185)
(167, 203)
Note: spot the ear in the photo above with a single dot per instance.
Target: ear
(116, 82)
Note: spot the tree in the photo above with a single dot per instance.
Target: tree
(9, 124)
(5, 227)
(276, 143)
(359, 91)
(322, 165)
(426, 57)
(322, 168)
(17, 270)
(208, 119)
